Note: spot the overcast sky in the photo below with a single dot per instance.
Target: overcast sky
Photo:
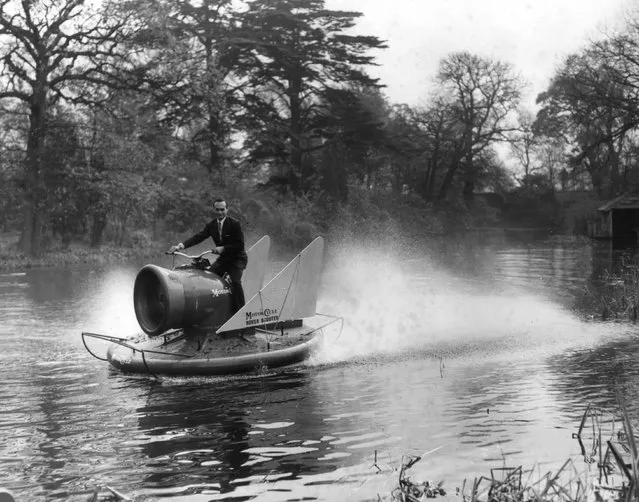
(533, 35)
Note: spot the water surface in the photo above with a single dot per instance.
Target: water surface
(471, 351)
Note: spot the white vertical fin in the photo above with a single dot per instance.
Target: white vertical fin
(253, 276)
(291, 294)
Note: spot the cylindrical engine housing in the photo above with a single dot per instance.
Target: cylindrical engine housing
(164, 299)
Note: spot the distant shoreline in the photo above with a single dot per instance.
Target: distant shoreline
(12, 260)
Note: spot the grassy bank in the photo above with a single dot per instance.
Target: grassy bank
(615, 296)
(11, 259)
(290, 222)
(606, 470)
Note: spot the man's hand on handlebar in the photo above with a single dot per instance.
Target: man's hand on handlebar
(177, 247)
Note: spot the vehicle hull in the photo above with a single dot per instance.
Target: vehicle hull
(211, 354)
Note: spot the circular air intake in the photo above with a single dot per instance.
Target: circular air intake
(158, 302)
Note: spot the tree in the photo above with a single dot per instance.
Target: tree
(187, 56)
(593, 104)
(50, 51)
(11, 154)
(551, 155)
(358, 121)
(65, 160)
(576, 111)
(483, 95)
(133, 166)
(294, 56)
(440, 142)
(405, 154)
(523, 145)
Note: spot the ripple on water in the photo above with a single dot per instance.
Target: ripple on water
(479, 372)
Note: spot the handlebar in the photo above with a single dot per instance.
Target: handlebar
(191, 257)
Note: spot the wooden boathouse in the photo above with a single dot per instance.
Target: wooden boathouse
(617, 219)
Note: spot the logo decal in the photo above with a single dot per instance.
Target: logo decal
(262, 317)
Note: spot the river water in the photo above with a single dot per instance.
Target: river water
(471, 353)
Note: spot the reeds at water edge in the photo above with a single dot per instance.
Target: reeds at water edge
(608, 447)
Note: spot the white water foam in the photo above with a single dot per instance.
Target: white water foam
(390, 306)
(110, 307)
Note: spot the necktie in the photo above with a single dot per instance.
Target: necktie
(219, 229)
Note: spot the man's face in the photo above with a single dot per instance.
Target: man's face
(220, 210)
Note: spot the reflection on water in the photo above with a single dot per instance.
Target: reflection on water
(600, 374)
(471, 351)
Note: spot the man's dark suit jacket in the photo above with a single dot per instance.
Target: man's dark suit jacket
(232, 239)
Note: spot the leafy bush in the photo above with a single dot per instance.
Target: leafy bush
(182, 211)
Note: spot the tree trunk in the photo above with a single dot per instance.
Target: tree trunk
(469, 192)
(33, 191)
(97, 229)
(614, 160)
(469, 182)
(214, 130)
(431, 176)
(26, 238)
(452, 168)
(448, 181)
(295, 135)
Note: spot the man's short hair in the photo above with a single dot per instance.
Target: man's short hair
(220, 200)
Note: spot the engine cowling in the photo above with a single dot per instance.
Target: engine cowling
(166, 299)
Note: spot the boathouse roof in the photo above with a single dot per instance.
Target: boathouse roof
(628, 200)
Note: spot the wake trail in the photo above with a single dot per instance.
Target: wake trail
(392, 306)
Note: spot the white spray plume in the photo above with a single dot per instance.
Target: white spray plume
(391, 305)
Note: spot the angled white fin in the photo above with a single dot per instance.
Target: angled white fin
(291, 294)
(253, 277)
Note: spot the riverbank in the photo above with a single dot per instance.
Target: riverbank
(291, 223)
(12, 260)
(606, 470)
